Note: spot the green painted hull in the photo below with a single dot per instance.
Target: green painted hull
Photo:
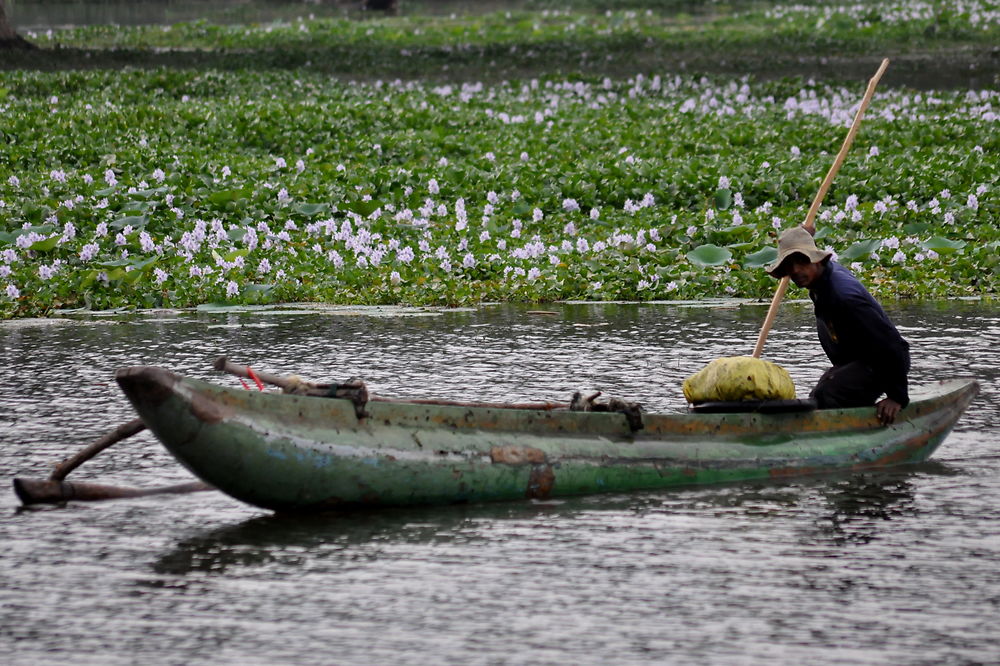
(293, 453)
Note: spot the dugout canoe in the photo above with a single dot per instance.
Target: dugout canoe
(297, 453)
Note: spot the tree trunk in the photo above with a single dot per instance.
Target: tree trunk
(9, 39)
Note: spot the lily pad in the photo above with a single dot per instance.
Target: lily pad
(709, 255)
(943, 245)
(862, 248)
(916, 228)
(225, 196)
(741, 232)
(763, 257)
(723, 199)
(310, 209)
(46, 245)
(130, 220)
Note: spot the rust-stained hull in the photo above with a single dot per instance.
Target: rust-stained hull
(288, 453)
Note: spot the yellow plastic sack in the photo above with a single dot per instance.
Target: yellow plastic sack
(739, 378)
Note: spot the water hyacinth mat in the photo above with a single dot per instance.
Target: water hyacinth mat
(173, 188)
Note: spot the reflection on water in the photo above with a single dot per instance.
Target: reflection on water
(801, 571)
(852, 509)
(282, 538)
(42, 14)
(858, 504)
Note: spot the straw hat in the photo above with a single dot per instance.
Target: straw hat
(796, 241)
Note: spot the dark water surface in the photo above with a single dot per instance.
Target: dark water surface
(897, 567)
(42, 14)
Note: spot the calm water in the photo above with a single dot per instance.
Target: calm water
(41, 14)
(899, 567)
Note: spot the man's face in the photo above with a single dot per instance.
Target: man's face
(802, 271)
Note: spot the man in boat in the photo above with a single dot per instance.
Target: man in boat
(869, 356)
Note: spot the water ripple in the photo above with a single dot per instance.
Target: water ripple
(894, 567)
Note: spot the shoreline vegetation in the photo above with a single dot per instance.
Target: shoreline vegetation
(514, 156)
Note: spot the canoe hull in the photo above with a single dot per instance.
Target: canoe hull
(293, 453)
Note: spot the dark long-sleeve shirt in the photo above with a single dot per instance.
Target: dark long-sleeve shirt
(853, 327)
